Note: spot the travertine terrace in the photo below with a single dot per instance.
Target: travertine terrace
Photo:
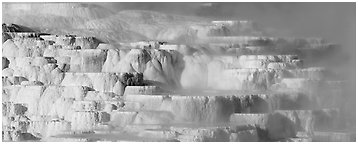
(211, 85)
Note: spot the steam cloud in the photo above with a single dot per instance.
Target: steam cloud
(334, 22)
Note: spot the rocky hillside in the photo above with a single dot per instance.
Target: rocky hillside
(129, 25)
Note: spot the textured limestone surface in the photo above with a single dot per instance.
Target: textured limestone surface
(88, 74)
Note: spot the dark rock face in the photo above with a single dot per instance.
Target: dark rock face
(15, 28)
(5, 63)
(132, 79)
(5, 37)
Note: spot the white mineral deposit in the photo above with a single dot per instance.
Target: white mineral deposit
(183, 72)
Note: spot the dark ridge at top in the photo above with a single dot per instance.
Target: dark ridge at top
(15, 28)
